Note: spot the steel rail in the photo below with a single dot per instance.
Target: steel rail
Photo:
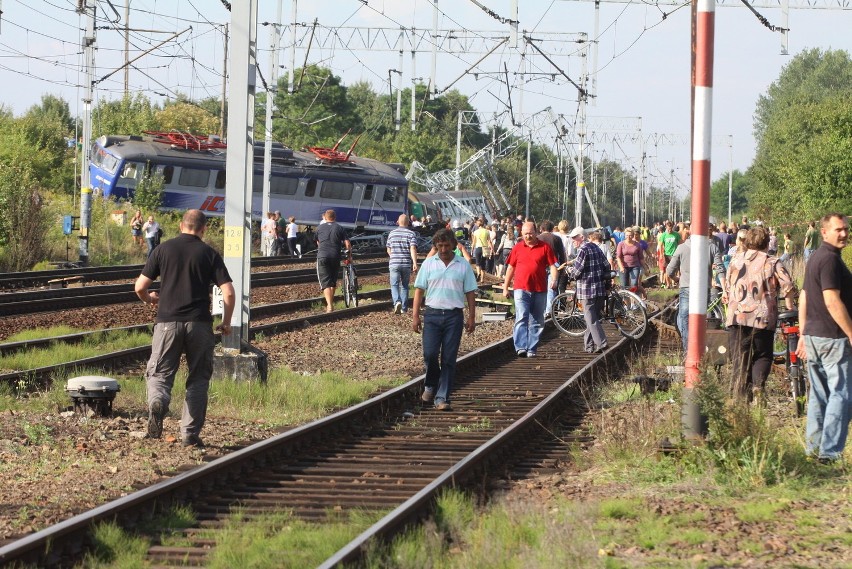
(28, 279)
(68, 539)
(100, 295)
(113, 360)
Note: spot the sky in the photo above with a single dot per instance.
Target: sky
(641, 77)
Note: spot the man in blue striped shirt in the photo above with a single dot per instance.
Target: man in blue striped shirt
(446, 281)
(402, 249)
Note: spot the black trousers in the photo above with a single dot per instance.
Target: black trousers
(751, 356)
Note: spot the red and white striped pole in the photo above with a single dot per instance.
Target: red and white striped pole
(704, 18)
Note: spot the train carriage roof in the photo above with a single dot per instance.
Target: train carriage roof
(144, 148)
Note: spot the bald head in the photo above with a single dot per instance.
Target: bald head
(529, 233)
(403, 220)
(194, 221)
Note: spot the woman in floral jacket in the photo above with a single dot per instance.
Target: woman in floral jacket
(752, 284)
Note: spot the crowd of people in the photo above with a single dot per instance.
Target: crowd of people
(536, 260)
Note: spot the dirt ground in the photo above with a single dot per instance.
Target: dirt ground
(55, 465)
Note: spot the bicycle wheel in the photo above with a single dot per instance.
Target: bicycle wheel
(631, 319)
(798, 389)
(779, 345)
(353, 286)
(567, 314)
(347, 288)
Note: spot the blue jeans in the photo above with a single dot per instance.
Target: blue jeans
(400, 276)
(683, 316)
(442, 332)
(551, 294)
(830, 371)
(630, 276)
(529, 319)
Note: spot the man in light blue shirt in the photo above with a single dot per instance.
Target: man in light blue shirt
(446, 281)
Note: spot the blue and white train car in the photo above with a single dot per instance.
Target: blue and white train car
(364, 193)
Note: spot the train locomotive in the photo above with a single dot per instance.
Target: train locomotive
(366, 194)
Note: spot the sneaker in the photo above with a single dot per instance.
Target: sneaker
(530, 354)
(192, 441)
(428, 396)
(443, 406)
(522, 353)
(155, 420)
(397, 308)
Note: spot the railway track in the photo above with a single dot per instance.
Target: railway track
(389, 455)
(34, 279)
(30, 302)
(117, 360)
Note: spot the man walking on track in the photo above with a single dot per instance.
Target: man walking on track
(825, 306)
(402, 249)
(186, 267)
(528, 266)
(446, 281)
(331, 238)
(591, 270)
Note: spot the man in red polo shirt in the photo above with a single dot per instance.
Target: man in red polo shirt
(528, 264)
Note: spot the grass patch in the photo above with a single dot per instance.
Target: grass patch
(41, 333)
(286, 398)
(280, 540)
(57, 353)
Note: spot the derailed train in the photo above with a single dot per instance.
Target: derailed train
(366, 194)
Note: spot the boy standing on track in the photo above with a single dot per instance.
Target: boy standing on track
(446, 281)
(186, 267)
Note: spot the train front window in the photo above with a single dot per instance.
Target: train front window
(104, 160)
(311, 188)
(220, 179)
(194, 177)
(368, 192)
(336, 190)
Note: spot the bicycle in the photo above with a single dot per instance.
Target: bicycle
(622, 308)
(787, 334)
(350, 281)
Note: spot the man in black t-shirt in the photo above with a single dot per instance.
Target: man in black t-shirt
(186, 266)
(825, 305)
(331, 238)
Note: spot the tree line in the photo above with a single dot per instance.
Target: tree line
(802, 126)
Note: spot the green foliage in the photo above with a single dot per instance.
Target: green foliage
(129, 115)
(317, 113)
(148, 195)
(803, 127)
(23, 221)
(741, 187)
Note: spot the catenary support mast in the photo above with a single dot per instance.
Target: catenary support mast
(240, 164)
(702, 89)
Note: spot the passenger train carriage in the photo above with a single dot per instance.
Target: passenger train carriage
(364, 193)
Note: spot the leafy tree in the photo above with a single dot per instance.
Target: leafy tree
(128, 115)
(187, 117)
(742, 185)
(148, 195)
(55, 110)
(803, 167)
(23, 223)
(318, 113)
